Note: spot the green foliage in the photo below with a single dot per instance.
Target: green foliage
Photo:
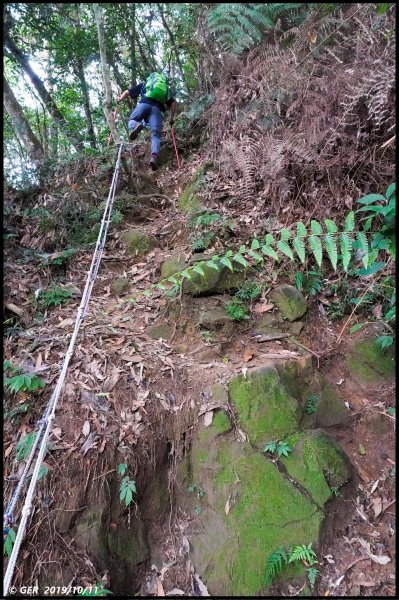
(198, 510)
(335, 491)
(311, 404)
(240, 26)
(21, 382)
(281, 557)
(96, 590)
(204, 242)
(310, 282)
(385, 341)
(304, 553)
(237, 310)
(282, 448)
(127, 489)
(122, 468)
(207, 336)
(312, 576)
(204, 219)
(275, 563)
(53, 296)
(63, 257)
(9, 542)
(249, 291)
(196, 488)
(24, 445)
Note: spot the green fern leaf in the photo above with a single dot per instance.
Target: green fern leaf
(346, 249)
(331, 226)
(274, 565)
(363, 247)
(257, 257)
(301, 230)
(240, 259)
(285, 234)
(200, 270)
(316, 248)
(299, 247)
(227, 262)
(268, 251)
(316, 227)
(285, 249)
(330, 246)
(350, 222)
(269, 239)
(255, 245)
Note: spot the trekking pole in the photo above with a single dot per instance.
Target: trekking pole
(110, 134)
(174, 143)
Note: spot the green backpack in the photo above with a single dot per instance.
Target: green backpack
(157, 87)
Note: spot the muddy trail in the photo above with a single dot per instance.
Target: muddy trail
(172, 395)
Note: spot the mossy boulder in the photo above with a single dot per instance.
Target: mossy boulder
(138, 243)
(329, 408)
(214, 281)
(317, 463)
(290, 302)
(214, 319)
(265, 407)
(266, 512)
(172, 266)
(120, 286)
(368, 364)
(189, 201)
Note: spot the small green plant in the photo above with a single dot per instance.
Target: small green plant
(198, 510)
(9, 542)
(204, 219)
(249, 291)
(335, 491)
(207, 336)
(21, 382)
(117, 217)
(281, 557)
(24, 445)
(127, 487)
(385, 341)
(53, 296)
(203, 243)
(96, 590)
(62, 258)
(282, 448)
(196, 488)
(311, 404)
(237, 310)
(310, 282)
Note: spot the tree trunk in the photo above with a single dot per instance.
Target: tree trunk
(133, 64)
(174, 46)
(21, 124)
(105, 73)
(51, 106)
(80, 73)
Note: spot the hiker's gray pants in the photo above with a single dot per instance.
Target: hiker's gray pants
(151, 115)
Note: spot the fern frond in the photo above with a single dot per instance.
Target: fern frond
(268, 251)
(283, 246)
(363, 247)
(316, 248)
(274, 565)
(299, 247)
(330, 245)
(350, 222)
(346, 249)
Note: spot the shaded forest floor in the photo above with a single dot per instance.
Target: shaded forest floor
(125, 387)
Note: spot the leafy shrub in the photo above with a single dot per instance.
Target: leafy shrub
(53, 296)
(309, 282)
(282, 448)
(24, 445)
(311, 404)
(204, 242)
(281, 557)
(237, 310)
(127, 487)
(21, 382)
(249, 291)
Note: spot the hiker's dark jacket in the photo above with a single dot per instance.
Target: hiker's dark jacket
(138, 90)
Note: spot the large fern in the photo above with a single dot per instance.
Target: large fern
(237, 27)
(275, 563)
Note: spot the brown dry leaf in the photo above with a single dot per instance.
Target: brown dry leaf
(160, 590)
(208, 418)
(136, 358)
(38, 361)
(381, 560)
(90, 443)
(86, 428)
(9, 450)
(377, 506)
(248, 355)
(227, 507)
(111, 381)
(377, 311)
(262, 308)
(66, 322)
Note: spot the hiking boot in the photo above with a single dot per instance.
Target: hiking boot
(133, 133)
(154, 161)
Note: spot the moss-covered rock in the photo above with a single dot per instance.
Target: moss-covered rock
(120, 286)
(290, 302)
(214, 318)
(317, 463)
(214, 281)
(368, 364)
(172, 266)
(138, 243)
(219, 393)
(90, 536)
(266, 409)
(221, 422)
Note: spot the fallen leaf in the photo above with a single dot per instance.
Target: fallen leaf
(9, 450)
(248, 355)
(208, 418)
(377, 311)
(38, 361)
(86, 428)
(227, 507)
(381, 560)
(375, 485)
(160, 590)
(377, 506)
(329, 559)
(90, 443)
(66, 322)
(262, 308)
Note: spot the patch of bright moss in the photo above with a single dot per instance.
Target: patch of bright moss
(138, 243)
(317, 463)
(172, 266)
(221, 421)
(290, 302)
(266, 513)
(367, 363)
(266, 409)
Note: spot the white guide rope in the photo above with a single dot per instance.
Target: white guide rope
(49, 414)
